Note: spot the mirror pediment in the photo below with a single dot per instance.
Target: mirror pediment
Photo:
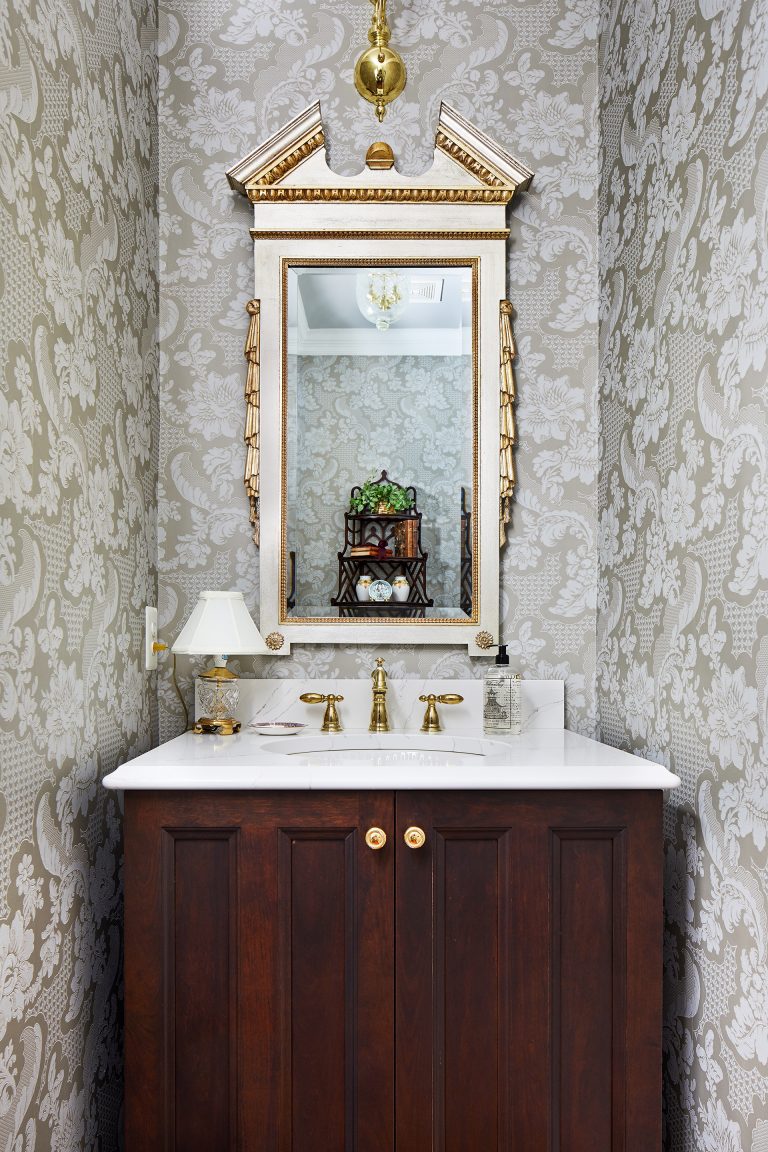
(378, 347)
(467, 167)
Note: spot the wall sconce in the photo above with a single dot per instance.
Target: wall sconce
(380, 72)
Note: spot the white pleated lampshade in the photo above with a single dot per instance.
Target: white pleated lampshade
(220, 624)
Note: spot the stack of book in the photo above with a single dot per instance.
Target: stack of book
(372, 550)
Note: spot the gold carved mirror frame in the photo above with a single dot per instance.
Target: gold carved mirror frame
(453, 214)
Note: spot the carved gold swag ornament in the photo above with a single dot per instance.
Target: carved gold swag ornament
(507, 442)
(252, 400)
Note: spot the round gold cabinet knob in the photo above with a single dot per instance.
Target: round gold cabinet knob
(415, 837)
(375, 838)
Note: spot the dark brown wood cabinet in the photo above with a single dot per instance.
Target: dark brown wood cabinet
(289, 989)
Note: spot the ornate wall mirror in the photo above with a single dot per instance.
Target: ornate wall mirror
(379, 395)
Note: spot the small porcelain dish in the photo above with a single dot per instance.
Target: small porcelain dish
(276, 727)
(380, 591)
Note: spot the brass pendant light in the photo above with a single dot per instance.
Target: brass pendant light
(380, 71)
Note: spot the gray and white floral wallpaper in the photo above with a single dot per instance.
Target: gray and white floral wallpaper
(231, 73)
(404, 414)
(683, 504)
(637, 567)
(78, 475)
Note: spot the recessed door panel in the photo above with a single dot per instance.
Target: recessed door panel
(454, 972)
(588, 989)
(199, 881)
(316, 895)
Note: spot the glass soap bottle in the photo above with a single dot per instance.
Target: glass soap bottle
(501, 698)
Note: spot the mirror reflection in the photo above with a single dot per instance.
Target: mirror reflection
(380, 455)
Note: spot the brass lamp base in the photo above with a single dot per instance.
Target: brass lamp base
(220, 699)
(226, 727)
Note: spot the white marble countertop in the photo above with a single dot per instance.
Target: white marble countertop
(537, 759)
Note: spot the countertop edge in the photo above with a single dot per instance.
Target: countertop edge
(560, 760)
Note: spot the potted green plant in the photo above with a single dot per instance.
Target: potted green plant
(381, 498)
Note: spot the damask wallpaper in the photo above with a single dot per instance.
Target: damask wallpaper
(683, 503)
(662, 555)
(231, 73)
(403, 414)
(78, 474)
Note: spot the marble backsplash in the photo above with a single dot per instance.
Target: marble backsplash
(542, 701)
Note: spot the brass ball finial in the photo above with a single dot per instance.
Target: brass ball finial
(380, 72)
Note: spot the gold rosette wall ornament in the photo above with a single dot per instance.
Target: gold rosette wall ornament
(507, 442)
(252, 384)
(380, 72)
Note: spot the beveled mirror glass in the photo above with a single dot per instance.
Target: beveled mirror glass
(380, 401)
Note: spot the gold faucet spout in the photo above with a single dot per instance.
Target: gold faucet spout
(379, 718)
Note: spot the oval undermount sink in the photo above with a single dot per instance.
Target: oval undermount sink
(391, 748)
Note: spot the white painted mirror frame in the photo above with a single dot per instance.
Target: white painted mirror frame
(456, 212)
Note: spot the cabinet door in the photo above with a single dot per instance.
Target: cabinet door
(528, 961)
(259, 973)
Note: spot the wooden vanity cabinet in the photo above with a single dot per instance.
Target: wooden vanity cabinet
(289, 989)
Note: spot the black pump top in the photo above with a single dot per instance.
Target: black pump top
(502, 657)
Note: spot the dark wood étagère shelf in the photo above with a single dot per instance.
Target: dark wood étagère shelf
(396, 536)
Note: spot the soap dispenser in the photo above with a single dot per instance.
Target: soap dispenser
(501, 698)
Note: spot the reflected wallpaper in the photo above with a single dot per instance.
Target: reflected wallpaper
(402, 413)
(637, 567)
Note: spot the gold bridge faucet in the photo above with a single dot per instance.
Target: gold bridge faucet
(379, 718)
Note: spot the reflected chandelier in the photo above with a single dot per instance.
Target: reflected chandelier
(383, 296)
